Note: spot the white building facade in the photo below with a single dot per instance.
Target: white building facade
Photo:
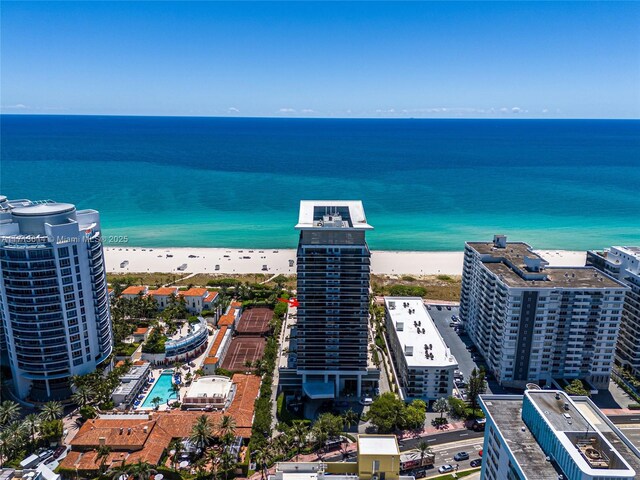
(54, 304)
(534, 323)
(623, 263)
(548, 435)
(333, 267)
(424, 363)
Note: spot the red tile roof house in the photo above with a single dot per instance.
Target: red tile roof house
(212, 303)
(146, 437)
(162, 296)
(132, 292)
(194, 298)
(141, 334)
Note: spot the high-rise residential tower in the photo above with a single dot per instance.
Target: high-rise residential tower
(623, 263)
(54, 305)
(549, 435)
(333, 266)
(535, 323)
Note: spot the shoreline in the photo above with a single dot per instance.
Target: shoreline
(283, 261)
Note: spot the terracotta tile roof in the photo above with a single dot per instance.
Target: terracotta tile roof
(141, 330)
(118, 435)
(215, 346)
(134, 290)
(194, 292)
(210, 361)
(162, 428)
(226, 320)
(165, 291)
(120, 363)
(236, 304)
(139, 362)
(243, 405)
(211, 297)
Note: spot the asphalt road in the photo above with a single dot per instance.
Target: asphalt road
(444, 445)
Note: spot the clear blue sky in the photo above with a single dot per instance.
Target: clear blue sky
(456, 59)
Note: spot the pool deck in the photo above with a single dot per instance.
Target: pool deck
(156, 372)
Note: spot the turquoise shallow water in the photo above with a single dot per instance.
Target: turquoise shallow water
(426, 184)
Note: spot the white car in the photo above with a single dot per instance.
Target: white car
(366, 401)
(445, 469)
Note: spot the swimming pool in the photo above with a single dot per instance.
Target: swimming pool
(163, 388)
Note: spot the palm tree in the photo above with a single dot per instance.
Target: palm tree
(299, 431)
(17, 436)
(5, 445)
(120, 471)
(228, 462)
(51, 411)
(82, 396)
(350, 418)
(201, 434)
(9, 411)
(31, 424)
(262, 457)
(424, 449)
(176, 446)
(175, 388)
(156, 401)
(142, 470)
(102, 454)
(227, 426)
(213, 457)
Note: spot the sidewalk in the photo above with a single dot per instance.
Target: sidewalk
(431, 430)
(309, 457)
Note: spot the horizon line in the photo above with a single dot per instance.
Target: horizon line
(295, 117)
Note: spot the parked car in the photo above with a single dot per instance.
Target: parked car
(479, 424)
(458, 457)
(476, 463)
(445, 469)
(366, 401)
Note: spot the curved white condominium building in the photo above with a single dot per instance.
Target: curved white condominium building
(54, 307)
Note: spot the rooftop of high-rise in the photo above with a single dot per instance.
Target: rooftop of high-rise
(332, 215)
(594, 444)
(518, 266)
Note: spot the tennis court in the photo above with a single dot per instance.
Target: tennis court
(255, 321)
(243, 349)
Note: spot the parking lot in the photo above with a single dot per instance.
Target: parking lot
(458, 343)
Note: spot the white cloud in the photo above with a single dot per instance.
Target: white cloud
(287, 110)
(516, 110)
(308, 110)
(17, 106)
(233, 110)
(545, 110)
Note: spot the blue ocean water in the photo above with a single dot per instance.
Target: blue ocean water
(425, 184)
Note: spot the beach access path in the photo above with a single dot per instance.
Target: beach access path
(227, 261)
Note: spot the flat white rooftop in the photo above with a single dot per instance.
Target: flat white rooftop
(378, 444)
(415, 328)
(351, 211)
(213, 386)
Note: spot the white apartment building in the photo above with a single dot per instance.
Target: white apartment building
(424, 363)
(623, 263)
(548, 435)
(534, 323)
(54, 306)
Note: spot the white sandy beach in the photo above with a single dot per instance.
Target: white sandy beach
(237, 261)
